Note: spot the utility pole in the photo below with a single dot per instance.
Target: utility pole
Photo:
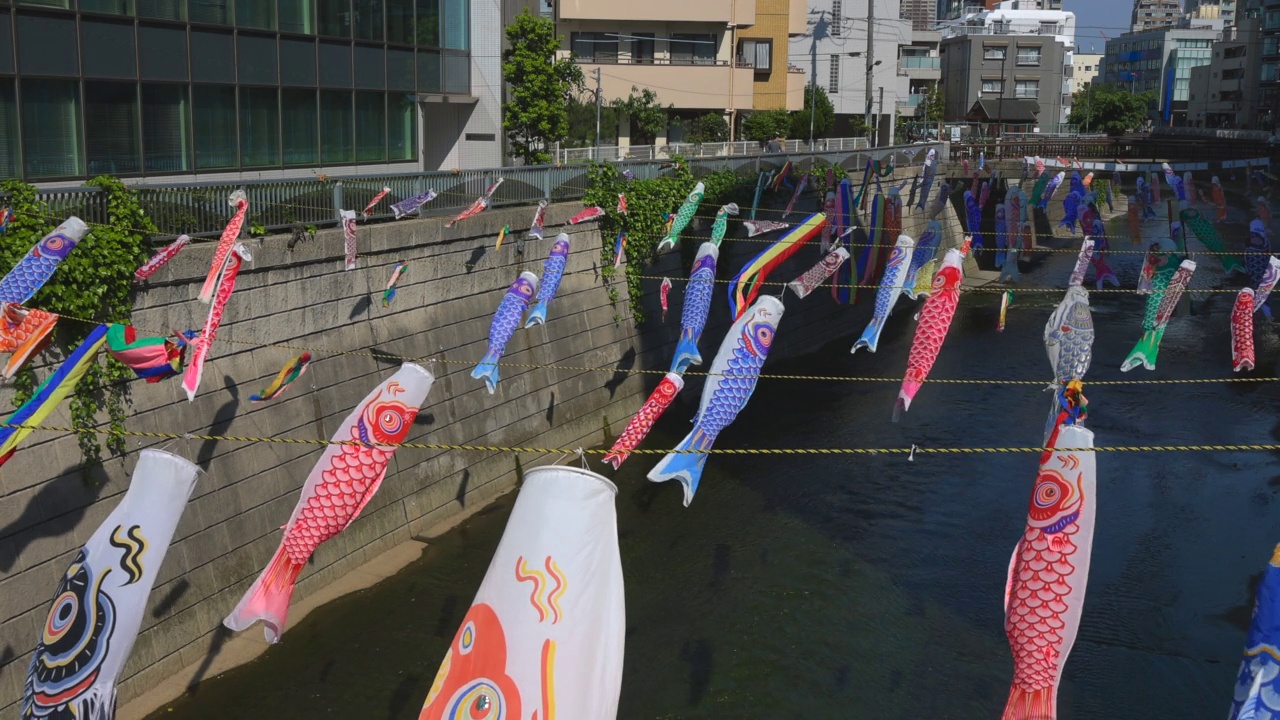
(880, 113)
(597, 114)
(813, 87)
(871, 57)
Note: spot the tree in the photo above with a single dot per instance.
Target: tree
(541, 88)
(934, 104)
(766, 125)
(708, 128)
(582, 123)
(1110, 109)
(648, 117)
(822, 121)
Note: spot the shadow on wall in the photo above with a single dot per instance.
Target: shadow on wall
(71, 489)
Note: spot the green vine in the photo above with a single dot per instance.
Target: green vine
(95, 282)
(648, 203)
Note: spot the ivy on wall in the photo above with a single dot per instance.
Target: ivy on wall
(94, 283)
(648, 203)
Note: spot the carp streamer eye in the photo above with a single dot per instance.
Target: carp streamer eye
(64, 612)
(390, 422)
(479, 699)
(764, 336)
(1047, 494)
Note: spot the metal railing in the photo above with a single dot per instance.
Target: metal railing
(910, 62)
(201, 208)
(613, 153)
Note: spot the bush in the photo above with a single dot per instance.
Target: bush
(766, 125)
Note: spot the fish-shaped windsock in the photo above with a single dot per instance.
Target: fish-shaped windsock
(1257, 251)
(226, 242)
(683, 216)
(1264, 210)
(939, 201)
(622, 204)
(1189, 187)
(829, 229)
(552, 273)
(1002, 233)
(1257, 690)
(1082, 263)
(642, 422)
(1268, 282)
(1006, 297)
(1174, 181)
(1101, 270)
(1069, 335)
(973, 217)
(1039, 166)
(286, 377)
(588, 214)
(225, 284)
(761, 182)
(747, 283)
(929, 171)
(343, 480)
(891, 285)
(479, 206)
(984, 195)
(412, 204)
(619, 247)
(1134, 217)
(1077, 184)
(539, 216)
(1088, 181)
(1070, 212)
(973, 188)
(393, 282)
(368, 209)
(935, 320)
(1160, 306)
(697, 303)
(926, 248)
(1037, 190)
(795, 196)
(505, 322)
(760, 227)
(1208, 236)
(731, 379)
(915, 188)
(35, 269)
(502, 236)
(818, 274)
(1155, 258)
(663, 291)
(1051, 189)
(1242, 331)
(1219, 199)
(349, 238)
(721, 224)
(1154, 185)
(982, 160)
(23, 333)
(1048, 573)
(160, 259)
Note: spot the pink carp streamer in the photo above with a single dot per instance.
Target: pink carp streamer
(1242, 332)
(161, 258)
(760, 227)
(935, 319)
(663, 291)
(229, 235)
(349, 237)
(478, 206)
(818, 274)
(591, 213)
(795, 196)
(226, 283)
(636, 431)
(368, 209)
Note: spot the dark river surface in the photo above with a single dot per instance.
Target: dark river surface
(871, 586)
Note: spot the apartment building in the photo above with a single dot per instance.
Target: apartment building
(229, 89)
(698, 57)
(1225, 92)
(1009, 66)
(1160, 61)
(861, 84)
(1086, 67)
(1151, 14)
(921, 63)
(956, 9)
(1269, 72)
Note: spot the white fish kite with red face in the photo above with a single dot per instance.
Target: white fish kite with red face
(935, 319)
(1044, 595)
(343, 481)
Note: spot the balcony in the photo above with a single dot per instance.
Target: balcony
(1028, 60)
(742, 12)
(795, 89)
(684, 85)
(920, 68)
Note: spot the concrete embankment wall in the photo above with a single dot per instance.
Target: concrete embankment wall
(304, 298)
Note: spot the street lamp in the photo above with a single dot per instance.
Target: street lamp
(813, 90)
(867, 118)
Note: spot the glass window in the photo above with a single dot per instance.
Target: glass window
(335, 64)
(428, 34)
(51, 128)
(256, 59)
(1026, 88)
(1271, 45)
(993, 52)
(594, 46)
(9, 154)
(429, 79)
(400, 21)
(163, 9)
(297, 16)
(162, 52)
(336, 133)
(259, 127)
(217, 12)
(64, 4)
(108, 48)
(368, 19)
(166, 132)
(457, 74)
(992, 86)
(335, 17)
(642, 47)
(371, 121)
(297, 62)
(693, 49)
(301, 127)
(111, 127)
(259, 14)
(457, 24)
(370, 67)
(38, 33)
(115, 7)
(214, 57)
(402, 127)
(833, 79)
(400, 69)
(1028, 56)
(6, 44)
(214, 115)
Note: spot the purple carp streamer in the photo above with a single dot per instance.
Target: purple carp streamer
(505, 321)
(413, 204)
(697, 304)
(552, 273)
(35, 269)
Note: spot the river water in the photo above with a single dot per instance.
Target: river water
(871, 586)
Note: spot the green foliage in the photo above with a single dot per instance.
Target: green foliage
(709, 128)
(823, 119)
(648, 203)
(582, 124)
(1110, 109)
(94, 283)
(766, 125)
(935, 104)
(541, 87)
(648, 117)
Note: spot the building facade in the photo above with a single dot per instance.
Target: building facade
(1010, 53)
(834, 49)
(221, 89)
(1269, 73)
(1225, 93)
(700, 57)
(1151, 14)
(1086, 67)
(1159, 61)
(921, 63)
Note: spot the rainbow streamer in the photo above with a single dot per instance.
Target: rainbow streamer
(289, 373)
(781, 178)
(52, 391)
(502, 235)
(619, 246)
(845, 275)
(746, 284)
(390, 293)
(152, 359)
(871, 256)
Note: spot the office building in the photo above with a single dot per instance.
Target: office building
(1085, 68)
(1225, 93)
(1159, 61)
(1269, 72)
(1008, 54)
(699, 57)
(1150, 14)
(247, 88)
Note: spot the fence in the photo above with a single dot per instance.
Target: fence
(201, 209)
(612, 153)
(1139, 147)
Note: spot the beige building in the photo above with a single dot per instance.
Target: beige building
(1225, 93)
(699, 56)
(1085, 68)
